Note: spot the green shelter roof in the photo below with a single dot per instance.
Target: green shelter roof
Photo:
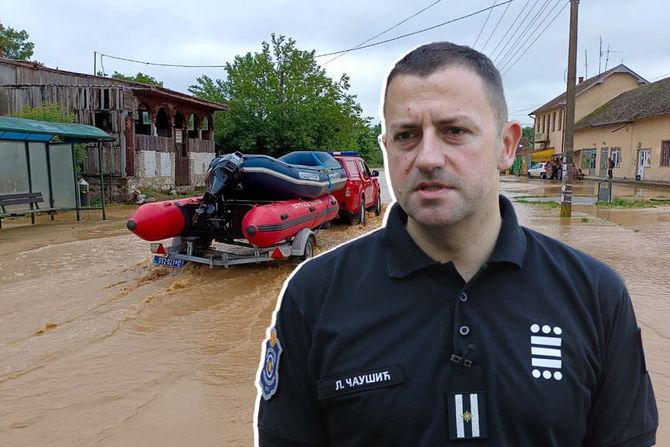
(21, 129)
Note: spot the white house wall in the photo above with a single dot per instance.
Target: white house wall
(198, 164)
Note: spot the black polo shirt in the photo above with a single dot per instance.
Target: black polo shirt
(383, 346)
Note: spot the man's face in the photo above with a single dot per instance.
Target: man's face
(443, 145)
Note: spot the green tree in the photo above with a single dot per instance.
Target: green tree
(280, 100)
(368, 145)
(139, 77)
(15, 44)
(54, 114)
(529, 133)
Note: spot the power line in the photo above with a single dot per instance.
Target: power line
(538, 36)
(484, 25)
(159, 64)
(507, 63)
(495, 27)
(362, 47)
(523, 110)
(387, 30)
(510, 28)
(501, 60)
(524, 27)
(356, 48)
(659, 77)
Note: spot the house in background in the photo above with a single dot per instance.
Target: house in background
(163, 139)
(634, 130)
(549, 119)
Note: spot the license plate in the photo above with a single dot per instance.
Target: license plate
(168, 261)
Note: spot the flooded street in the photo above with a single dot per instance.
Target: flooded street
(98, 347)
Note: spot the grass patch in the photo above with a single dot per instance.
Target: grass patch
(623, 203)
(585, 219)
(543, 204)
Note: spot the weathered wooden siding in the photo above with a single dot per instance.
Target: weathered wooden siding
(70, 97)
(31, 76)
(86, 95)
(201, 145)
(150, 143)
(111, 156)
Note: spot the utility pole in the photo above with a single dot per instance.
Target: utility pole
(95, 61)
(568, 144)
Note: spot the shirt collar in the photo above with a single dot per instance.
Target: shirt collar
(404, 257)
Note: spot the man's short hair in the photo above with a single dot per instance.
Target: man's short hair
(433, 57)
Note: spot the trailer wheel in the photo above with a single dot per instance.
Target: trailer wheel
(378, 205)
(309, 249)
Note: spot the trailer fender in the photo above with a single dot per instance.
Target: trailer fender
(300, 242)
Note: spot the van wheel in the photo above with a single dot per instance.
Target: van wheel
(361, 212)
(543, 176)
(378, 206)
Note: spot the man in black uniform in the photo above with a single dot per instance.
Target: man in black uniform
(453, 325)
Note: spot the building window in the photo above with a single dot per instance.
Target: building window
(553, 122)
(105, 99)
(616, 156)
(537, 124)
(665, 153)
(103, 120)
(589, 158)
(560, 118)
(546, 123)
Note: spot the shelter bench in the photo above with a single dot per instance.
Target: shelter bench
(25, 198)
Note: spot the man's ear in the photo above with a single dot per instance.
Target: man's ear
(510, 136)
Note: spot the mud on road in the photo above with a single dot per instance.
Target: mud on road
(98, 347)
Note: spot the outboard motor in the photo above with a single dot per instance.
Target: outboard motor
(222, 175)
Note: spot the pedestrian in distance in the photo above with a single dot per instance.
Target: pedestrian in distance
(439, 329)
(549, 170)
(610, 168)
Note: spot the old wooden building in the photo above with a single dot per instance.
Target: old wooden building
(164, 139)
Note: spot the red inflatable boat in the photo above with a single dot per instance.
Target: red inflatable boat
(261, 224)
(266, 225)
(162, 220)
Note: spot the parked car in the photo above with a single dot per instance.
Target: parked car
(537, 170)
(361, 191)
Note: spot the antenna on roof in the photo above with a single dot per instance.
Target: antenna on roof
(600, 58)
(608, 56)
(586, 66)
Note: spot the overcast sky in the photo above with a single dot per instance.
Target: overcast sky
(66, 34)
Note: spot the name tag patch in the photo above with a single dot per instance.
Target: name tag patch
(355, 382)
(467, 415)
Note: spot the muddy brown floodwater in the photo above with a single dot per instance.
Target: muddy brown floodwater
(98, 347)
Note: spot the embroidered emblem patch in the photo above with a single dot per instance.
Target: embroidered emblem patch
(269, 379)
(467, 415)
(545, 351)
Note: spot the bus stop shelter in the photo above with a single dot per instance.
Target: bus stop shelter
(39, 156)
